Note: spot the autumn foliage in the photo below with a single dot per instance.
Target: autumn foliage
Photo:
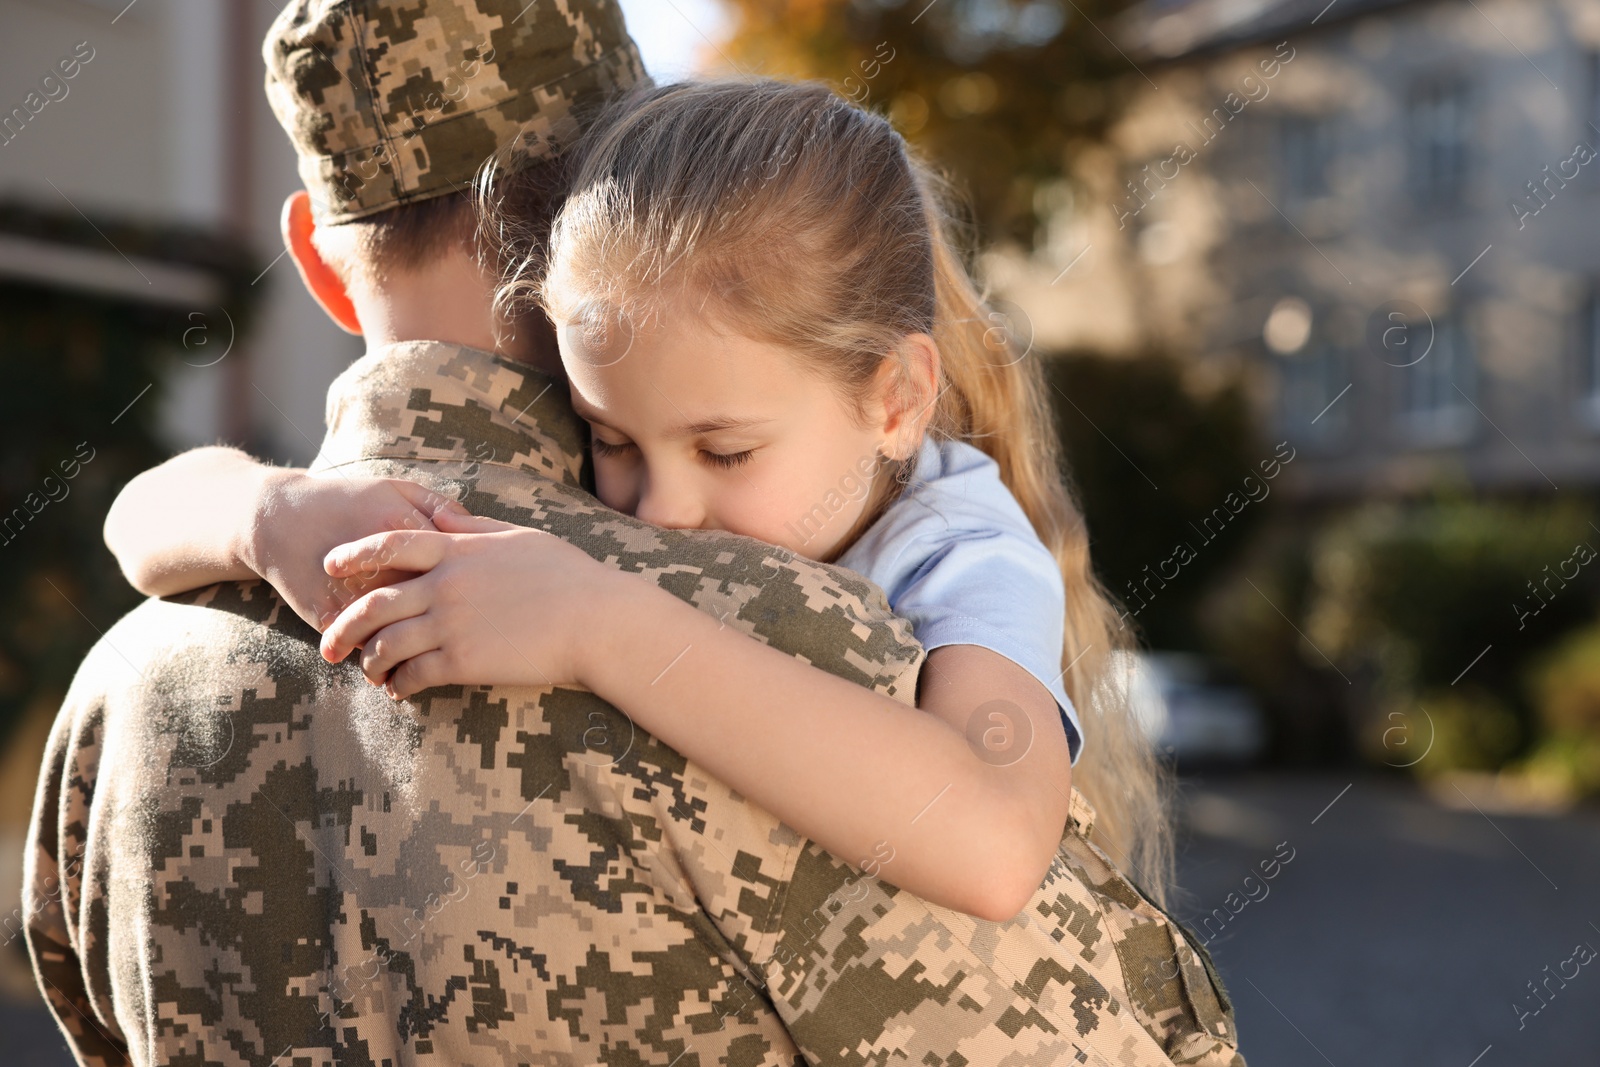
(1003, 94)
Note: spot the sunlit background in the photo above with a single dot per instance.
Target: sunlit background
(1316, 286)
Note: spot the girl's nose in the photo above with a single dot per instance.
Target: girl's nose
(667, 502)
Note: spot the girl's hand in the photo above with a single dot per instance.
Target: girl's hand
(298, 518)
(498, 605)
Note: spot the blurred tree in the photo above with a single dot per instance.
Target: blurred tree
(1003, 94)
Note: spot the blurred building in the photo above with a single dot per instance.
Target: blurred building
(1386, 212)
(163, 125)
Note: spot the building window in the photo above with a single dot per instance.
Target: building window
(1306, 144)
(1438, 120)
(1589, 362)
(1315, 403)
(1438, 391)
(1591, 115)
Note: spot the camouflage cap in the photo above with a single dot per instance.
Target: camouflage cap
(390, 102)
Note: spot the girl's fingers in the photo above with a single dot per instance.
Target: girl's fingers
(350, 589)
(396, 550)
(382, 607)
(453, 518)
(421, 672)
(394, 644)
(425, 500)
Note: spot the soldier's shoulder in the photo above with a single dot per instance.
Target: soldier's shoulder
(171, 640)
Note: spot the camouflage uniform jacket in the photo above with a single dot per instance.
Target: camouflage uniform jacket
(243, 855)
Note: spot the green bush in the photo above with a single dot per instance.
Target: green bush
(1387, 606)
(1566, 686)
(1436, 593)
(1464, 729)
(1424, 589)
(1564, 767)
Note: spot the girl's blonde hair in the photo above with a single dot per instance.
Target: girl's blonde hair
(787, 215)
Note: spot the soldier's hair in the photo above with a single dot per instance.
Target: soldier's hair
(407, 237)
(787, 215)
(399, 239)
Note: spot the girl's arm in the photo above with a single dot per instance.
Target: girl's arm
(186, 523)
(863, 775)
(900, 791)
(217, 514)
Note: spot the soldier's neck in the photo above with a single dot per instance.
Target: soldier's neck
(448, 299)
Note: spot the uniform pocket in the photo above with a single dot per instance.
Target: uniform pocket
(1170, 980)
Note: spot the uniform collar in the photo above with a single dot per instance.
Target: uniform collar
(441, 402)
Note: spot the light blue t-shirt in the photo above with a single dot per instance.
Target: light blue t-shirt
(959, 559)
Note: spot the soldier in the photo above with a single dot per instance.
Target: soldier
(242, 854)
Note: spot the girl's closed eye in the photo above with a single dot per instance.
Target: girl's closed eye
(728, 460)
(725, 460)
(607, 448)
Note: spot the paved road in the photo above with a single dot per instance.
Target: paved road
(1401, 932)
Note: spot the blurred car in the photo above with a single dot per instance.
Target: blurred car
(1189, 713)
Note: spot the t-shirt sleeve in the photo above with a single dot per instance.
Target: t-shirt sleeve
(996, 589)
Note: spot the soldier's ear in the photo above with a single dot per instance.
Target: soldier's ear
(325, 284)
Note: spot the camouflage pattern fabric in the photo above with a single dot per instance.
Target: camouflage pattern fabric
(243, 855)
(393, 101)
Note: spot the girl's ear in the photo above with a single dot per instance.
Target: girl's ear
(907, 389)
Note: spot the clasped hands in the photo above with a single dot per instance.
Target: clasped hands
(437, 596)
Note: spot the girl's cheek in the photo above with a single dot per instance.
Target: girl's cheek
(768, 512)
(614, 486)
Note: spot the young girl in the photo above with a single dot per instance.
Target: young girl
(764, 323)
